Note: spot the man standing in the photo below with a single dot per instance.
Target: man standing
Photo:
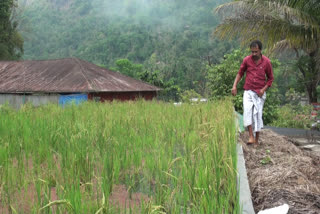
(257, 68)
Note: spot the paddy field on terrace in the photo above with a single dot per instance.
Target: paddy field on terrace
(119, 157)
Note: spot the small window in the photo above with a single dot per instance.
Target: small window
(97, 99)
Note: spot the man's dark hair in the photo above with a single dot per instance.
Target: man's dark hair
(256, 43)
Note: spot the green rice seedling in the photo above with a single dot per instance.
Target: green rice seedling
(166, 159)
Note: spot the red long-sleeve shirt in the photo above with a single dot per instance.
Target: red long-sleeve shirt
(256, 73)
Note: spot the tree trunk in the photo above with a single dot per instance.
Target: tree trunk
(312, 91)
(311, 75)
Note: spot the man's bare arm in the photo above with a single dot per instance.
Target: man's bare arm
(261, 92)
(234, 87)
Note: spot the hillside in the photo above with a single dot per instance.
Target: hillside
(173, 37)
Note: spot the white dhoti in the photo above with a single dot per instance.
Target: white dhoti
(252, 110)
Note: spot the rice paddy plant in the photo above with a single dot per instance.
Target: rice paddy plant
(119, 157)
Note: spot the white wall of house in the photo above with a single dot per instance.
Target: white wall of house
(17, 100)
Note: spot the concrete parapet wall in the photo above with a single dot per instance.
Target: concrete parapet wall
(243, 184)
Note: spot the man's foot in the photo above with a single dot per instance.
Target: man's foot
(251, 140)
(257, 138)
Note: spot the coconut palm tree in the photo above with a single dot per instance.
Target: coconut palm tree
(280, 24)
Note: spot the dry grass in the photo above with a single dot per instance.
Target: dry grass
(279, 172)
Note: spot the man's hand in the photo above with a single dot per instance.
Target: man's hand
(261, 92)
(234, 91)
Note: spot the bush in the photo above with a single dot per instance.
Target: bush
(187, 95)
(293, 116)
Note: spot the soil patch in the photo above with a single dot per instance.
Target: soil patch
(121, 198)
(279, 172)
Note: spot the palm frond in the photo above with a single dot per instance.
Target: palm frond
(272, 7)
(293, 15)
(270, 21)
(308, 6)
(224, 9)
(279, 47)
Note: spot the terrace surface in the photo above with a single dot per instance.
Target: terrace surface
(280, 172)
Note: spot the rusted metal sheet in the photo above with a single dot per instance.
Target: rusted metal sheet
(64, 76)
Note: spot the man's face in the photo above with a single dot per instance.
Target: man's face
(255, 52)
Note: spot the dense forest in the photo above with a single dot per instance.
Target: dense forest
(170, 39)
(11, 42)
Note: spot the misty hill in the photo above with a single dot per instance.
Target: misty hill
(171, 36)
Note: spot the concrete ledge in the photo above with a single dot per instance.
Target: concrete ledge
(290, 132)
(243, 184)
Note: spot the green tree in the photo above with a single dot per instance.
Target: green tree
(11, 43)
(188, 95)
(128, 68)
(280, 24)
(170, 91)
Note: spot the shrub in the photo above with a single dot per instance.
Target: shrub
(293, 116)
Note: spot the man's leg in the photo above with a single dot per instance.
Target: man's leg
(247, 114)
(251, 137)
(257, 138)
(260, 120)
